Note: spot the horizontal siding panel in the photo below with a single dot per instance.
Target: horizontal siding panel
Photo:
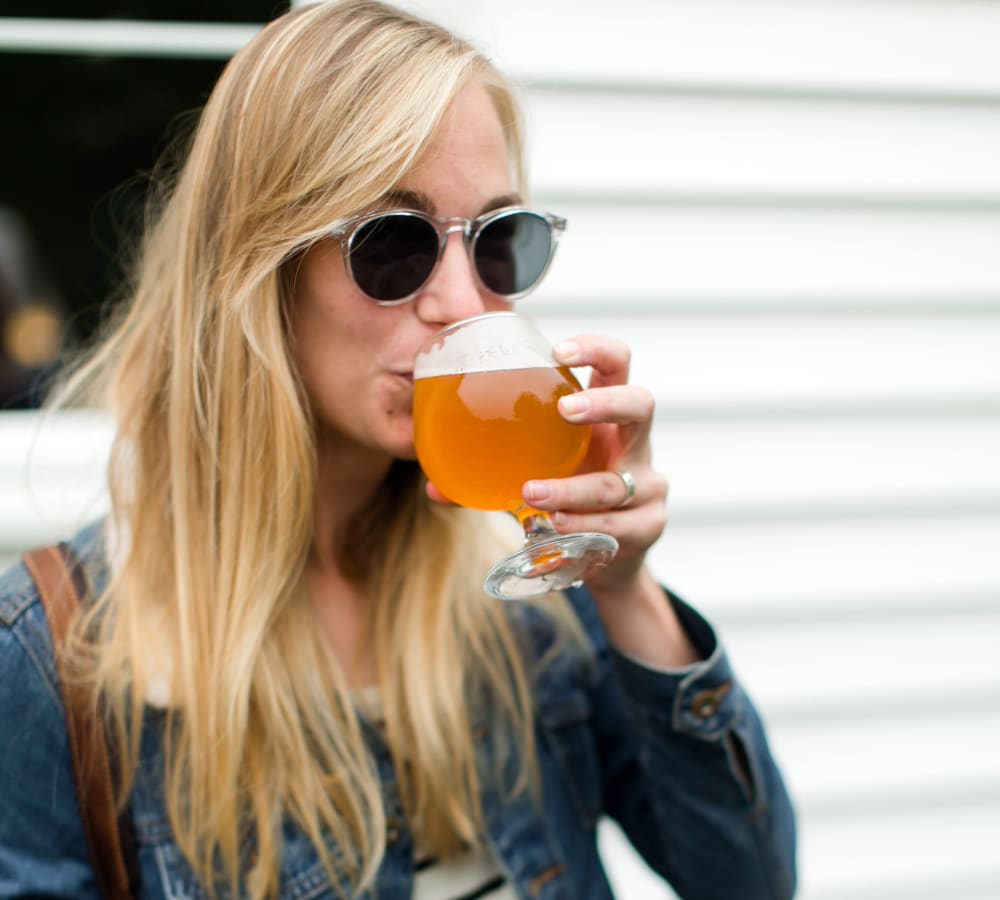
(68, 440)
(853, 45)
(774, 572)
(696, 364)
(802, 673)
(33, 518)
(650, 144)
(936, 855)
(841, 768)
(51, 476)
(746, 467)
(860, 858)
(648, 254)
(630, 877)
(109, 37)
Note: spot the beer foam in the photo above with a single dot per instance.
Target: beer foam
(494, 342)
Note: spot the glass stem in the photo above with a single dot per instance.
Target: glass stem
(536, 524)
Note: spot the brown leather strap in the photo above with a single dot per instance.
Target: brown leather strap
(60, 585)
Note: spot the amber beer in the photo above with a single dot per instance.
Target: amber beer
(479, 436)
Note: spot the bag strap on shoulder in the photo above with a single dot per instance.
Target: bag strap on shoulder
(60, 585)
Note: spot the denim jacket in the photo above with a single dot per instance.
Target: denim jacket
(680, 760)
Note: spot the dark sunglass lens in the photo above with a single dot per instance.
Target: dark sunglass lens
(513, 251)
(392, 256)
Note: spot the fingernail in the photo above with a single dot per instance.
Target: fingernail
(567, 352)
(537, 490)
(572, 406)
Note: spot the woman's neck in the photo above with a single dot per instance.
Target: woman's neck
(348, 479)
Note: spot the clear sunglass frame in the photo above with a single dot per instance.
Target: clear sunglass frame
(445, 226)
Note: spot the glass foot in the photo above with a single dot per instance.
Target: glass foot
(550, 564)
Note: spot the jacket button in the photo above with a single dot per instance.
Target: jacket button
(705, 704)
(392, 830)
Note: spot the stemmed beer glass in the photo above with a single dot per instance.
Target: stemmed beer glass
(485, 421)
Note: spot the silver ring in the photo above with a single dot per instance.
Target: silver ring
(626, 476)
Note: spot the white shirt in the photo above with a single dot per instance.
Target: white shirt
(471, 875)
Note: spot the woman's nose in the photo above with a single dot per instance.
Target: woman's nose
(453, 292)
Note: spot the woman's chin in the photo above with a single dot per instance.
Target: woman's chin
(399, 438)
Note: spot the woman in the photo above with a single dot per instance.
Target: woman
(308, 691)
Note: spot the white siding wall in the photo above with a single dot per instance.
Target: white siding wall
(792, 212)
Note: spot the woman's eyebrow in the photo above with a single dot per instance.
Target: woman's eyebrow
(405, 199)
(401, 198)
(500, 202)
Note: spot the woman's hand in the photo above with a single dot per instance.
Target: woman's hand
(636, 614)
(621, 416)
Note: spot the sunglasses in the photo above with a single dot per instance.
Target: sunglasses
(392, 255)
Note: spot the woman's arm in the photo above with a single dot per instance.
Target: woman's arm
(620, 416)
(688, 772)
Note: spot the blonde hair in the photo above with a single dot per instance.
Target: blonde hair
(212, 480)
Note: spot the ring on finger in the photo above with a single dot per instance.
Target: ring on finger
(626, 476)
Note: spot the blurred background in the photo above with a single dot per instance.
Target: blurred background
(791, 211)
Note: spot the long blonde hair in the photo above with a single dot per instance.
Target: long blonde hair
(212, 480)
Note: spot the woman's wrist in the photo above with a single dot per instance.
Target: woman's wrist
(641, 623)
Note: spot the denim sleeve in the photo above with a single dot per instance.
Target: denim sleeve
(43, 848)
(688, 773)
